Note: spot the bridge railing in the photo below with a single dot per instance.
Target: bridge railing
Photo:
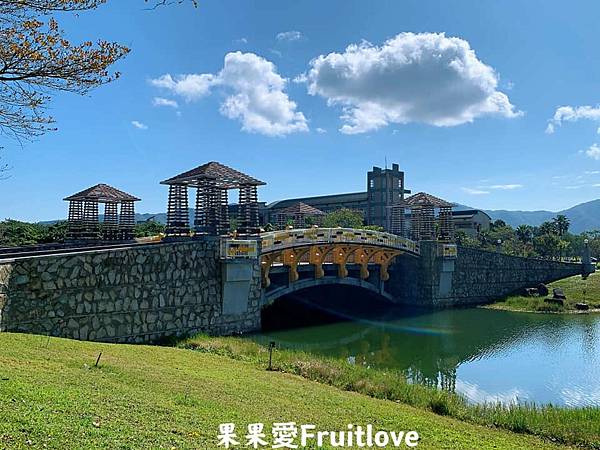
(275, 240)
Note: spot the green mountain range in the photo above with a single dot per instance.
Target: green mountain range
(583, 217)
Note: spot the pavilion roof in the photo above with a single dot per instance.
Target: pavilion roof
(424, 199)
(103, 193)
(225, 176)
(302, 209)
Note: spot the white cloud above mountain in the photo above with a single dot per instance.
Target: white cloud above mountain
(255, 94)
(160, 101)
(472, 191)
(425, 78)
(593, 152)
(289, 36)
(191, 86)
(139, 125)
(505, 187)
(573, 114)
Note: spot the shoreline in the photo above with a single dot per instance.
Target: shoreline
(566, 311)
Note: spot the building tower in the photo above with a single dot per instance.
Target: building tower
(385, 187)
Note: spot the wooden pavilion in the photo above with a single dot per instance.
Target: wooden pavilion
(424, 223)
(299, 215)
(84, 221)
(212, 182)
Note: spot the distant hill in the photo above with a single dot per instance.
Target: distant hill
(583, 217)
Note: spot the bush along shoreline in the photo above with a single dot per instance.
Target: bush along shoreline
(570, 426)
(580, 296)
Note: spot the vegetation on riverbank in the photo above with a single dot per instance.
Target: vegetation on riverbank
(580, 426)
(52, 396)
(576, 289)
(14, 233)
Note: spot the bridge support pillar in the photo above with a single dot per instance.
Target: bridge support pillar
(586, 260)
(237, 278)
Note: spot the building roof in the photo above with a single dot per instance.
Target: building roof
(302, 209)
(424, 199)
(320, 200)
(469, 213)
(103, 193)
(225, 176)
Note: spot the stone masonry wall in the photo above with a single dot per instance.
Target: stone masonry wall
(139, 294)
(474, 277)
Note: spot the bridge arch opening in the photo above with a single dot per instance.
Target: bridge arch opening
(324, 304)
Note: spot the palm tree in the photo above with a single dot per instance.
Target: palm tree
(562, 224)
(547, 228)
(524, 233)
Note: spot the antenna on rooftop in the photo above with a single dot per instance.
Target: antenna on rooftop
(386, 162)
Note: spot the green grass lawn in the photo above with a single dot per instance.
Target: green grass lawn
(52, 396)
(576, 289)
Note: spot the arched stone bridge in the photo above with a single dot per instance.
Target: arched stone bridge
(143, 292)
(328, 253)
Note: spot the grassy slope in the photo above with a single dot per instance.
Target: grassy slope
(153, 397)
(573, 288)
(575, 426)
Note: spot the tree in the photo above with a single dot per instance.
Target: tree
(499, 223)
(524, 233)
(547, 245)
(148, 228)
(36, 59)
(561, 223)
(546, 228)
(343, 217)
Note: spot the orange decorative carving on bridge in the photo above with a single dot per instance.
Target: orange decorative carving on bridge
(339, 246)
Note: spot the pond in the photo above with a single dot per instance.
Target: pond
(485, 355)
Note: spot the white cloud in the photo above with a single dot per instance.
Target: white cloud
(321, 130)
(276, 52)
(478, 395)
(289, 36)
(160, 101)
(573, 114)
(593, 152)
(190, 87)
(471, 191)
(256, 94)
(241, 41)
(425, 77)
(139, 125)
(592, 172)
(505, 187)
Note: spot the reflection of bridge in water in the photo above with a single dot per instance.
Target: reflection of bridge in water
(428, 347)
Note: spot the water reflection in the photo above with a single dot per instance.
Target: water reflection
(484, 355)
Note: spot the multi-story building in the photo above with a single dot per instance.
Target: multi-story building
(384, 187)
(471, 221)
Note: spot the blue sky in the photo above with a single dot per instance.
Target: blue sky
(308, 116)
